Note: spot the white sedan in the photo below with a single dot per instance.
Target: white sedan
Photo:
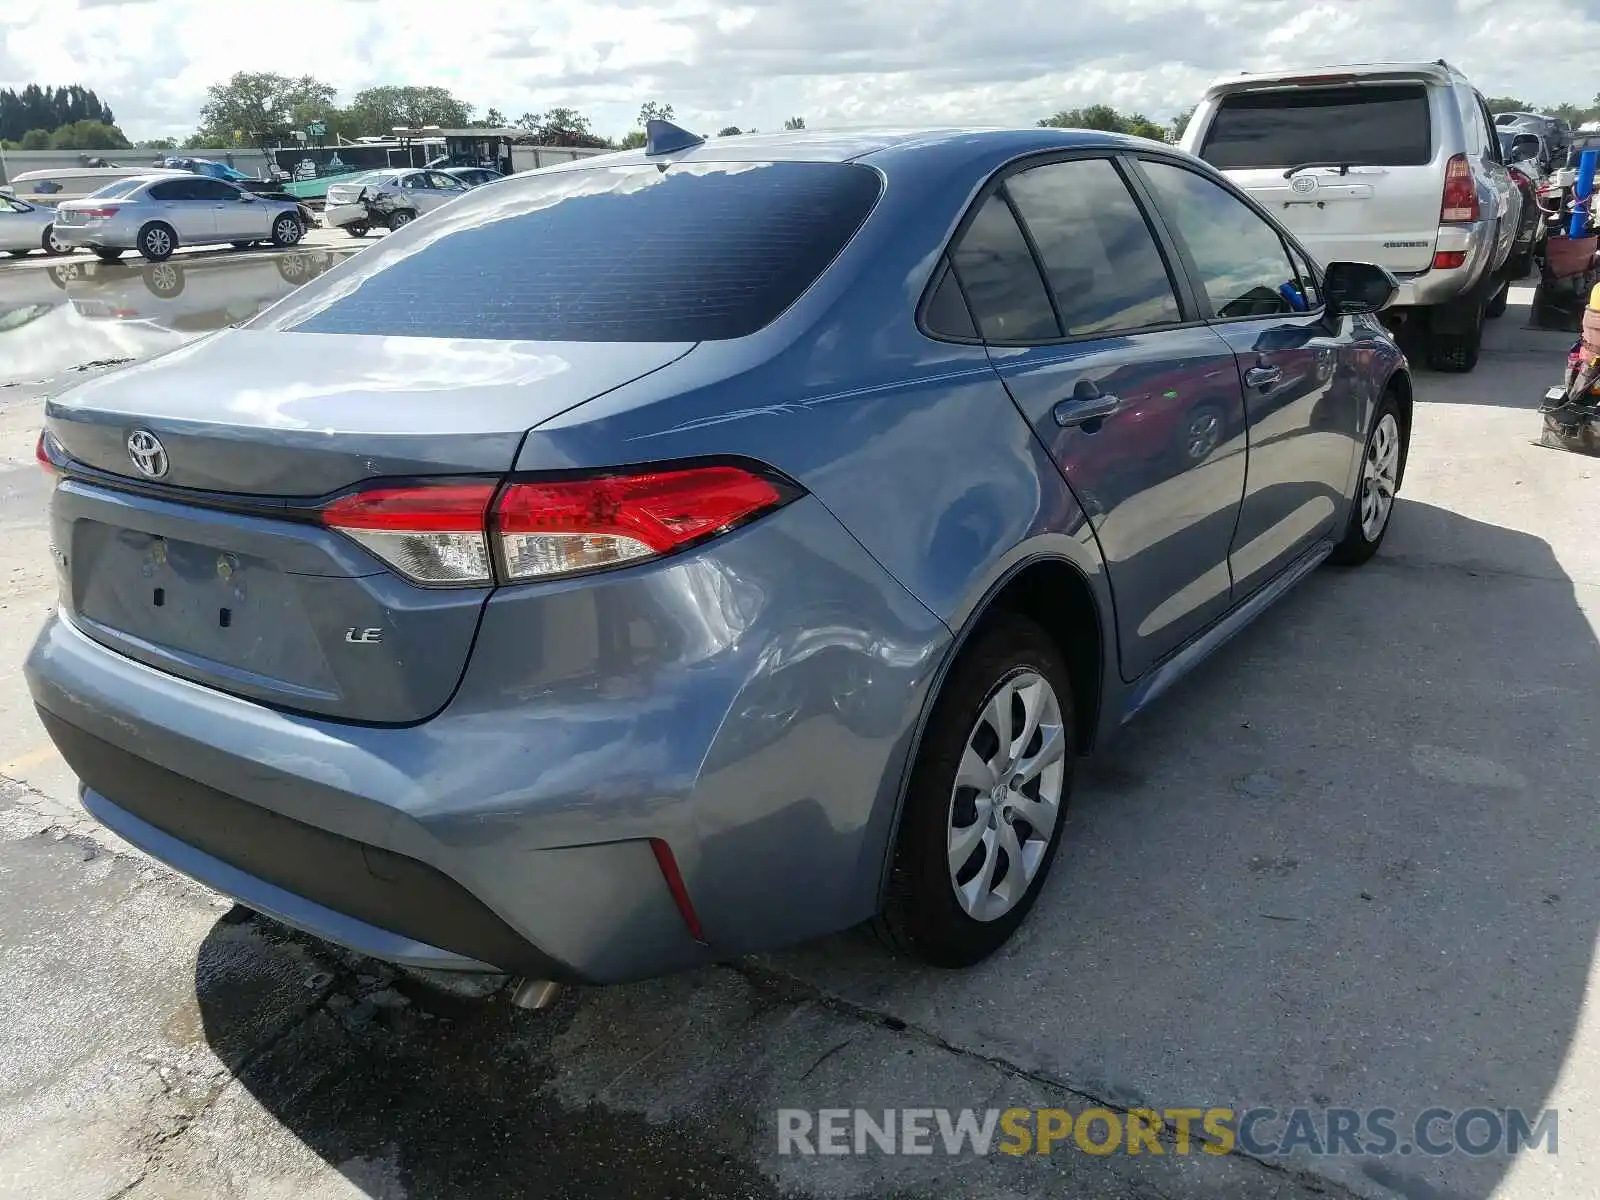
(25, 228)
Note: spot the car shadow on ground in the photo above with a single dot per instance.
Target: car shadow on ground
(1348, 863)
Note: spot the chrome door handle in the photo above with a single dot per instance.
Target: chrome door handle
(1080, 410)
(1262, 377)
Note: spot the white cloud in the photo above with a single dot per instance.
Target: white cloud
(755, 62)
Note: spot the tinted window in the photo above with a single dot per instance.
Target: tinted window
(173, 189)
(1385, 125)
(1241, 260)
(1099, 255)
(1001, 279)
(947, 314)
(212, 189)
(698, 251)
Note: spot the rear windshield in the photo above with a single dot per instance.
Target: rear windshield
(646, 253)
(119, 189)
(1383, 125)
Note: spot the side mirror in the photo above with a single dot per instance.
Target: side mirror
(1352, 288)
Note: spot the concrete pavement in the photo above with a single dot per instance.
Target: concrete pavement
(1350, 862)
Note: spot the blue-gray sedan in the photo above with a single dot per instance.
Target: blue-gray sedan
(676, 554)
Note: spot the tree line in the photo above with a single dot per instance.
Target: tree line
(261, 109)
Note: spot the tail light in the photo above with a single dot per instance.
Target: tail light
(44, 451)
(1446, 260)
(465, 534)
(98, 213)
(1460, 192)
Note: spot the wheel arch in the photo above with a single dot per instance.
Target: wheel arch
(1400, 384)
(1057, 594)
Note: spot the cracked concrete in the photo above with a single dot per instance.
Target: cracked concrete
(1350, 862)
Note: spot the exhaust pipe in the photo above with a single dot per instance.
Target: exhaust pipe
(534, 994)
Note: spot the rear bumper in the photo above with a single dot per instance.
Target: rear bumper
(750, 704)
(344, 214)
(1441, 285)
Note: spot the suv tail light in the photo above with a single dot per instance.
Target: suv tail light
(470, 534)
(1460, 192)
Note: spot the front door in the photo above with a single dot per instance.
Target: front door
(1139, 406)
(1303, 404)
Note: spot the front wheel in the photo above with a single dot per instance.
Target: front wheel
(286, 231)
(1383, 464)
(52, 244)
(987, 799)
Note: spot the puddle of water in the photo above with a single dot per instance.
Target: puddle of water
(81, 311)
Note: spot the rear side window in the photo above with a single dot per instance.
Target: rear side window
(1099, 255)
(201, 188)
(172, 189)
(652, 253)
(1381, 125)
(1001, 278)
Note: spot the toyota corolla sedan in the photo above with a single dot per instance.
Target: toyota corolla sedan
(729, 579)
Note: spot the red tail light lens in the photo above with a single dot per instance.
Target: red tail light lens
(41, 451)
(432, 534)
(106, 211)
(1447, 259)
(456, 535)
(1460, 192)
(563, 526)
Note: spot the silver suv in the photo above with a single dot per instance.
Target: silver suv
(1397, 164)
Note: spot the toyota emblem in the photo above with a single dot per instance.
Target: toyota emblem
(147, 452)
(1304, 185)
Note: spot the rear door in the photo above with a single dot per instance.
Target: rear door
(1302, 398)
(1137, 402)
(235, 218)
(181, 204)
(1379, 200)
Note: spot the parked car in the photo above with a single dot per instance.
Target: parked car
(1533, 220)
(1396, 164)
(26, 227)
(388, 199)
(156, 214)
(722, 582)
(473, 176)
(1555, 132)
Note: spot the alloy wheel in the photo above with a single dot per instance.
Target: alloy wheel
(1007, 796)
(157, 242)
(1380, 469)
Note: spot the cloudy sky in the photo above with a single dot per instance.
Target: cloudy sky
(754, 62)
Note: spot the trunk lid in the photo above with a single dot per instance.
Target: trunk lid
(212, 571)
(1376, 195)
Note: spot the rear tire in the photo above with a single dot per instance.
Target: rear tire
(961, 790)
(400, 218)
(1455, 352)
(1383, 467)
(358, 229)
(157, 241)
(1502, 299)
(53, 245)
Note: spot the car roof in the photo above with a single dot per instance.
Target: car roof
(1432, 72)
(850, 145)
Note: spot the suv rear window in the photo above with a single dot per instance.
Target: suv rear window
(1379, 125)
(647, 253)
